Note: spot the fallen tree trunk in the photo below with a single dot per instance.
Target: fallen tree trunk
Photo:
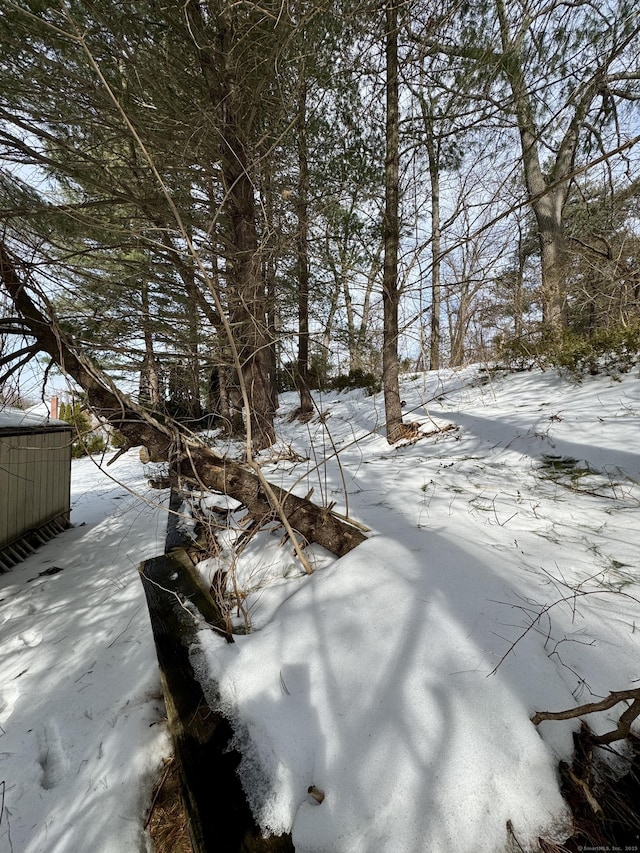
(314, 523)
(189, 458)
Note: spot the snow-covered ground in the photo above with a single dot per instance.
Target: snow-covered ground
(501, 576)
(375, 678)
(81, 735)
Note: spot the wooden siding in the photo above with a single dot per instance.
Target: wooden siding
(35, 480)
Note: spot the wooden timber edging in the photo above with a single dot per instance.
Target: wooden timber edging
(220, 819)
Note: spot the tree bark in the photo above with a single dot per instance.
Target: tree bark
(194, 405)
(245, 285)
(363, 342)
(460, 326)
(150, 371)
(546, 204)
(548, 213)
(314, 523)
(436, 238)
(306, 402)
(391, 231)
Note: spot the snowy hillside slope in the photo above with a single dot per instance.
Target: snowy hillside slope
(501, 577)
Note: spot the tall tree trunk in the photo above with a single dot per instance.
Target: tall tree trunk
(273, 324)
(355, 360)
(459, 328)
(553, 260)
(246, 288)
(362, 342)
(269, 275)
(193, 366)
(149, 372)
(547, 204)
(245, 285)
(343, 273)
(327, 332)
(306, 403)
(518, 293)
(391, 232)
(436, 293)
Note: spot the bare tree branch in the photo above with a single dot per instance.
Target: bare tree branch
(614, 698)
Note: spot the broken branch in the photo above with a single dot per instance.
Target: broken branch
(624, 723)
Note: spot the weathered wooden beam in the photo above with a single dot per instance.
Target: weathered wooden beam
(219, 816)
